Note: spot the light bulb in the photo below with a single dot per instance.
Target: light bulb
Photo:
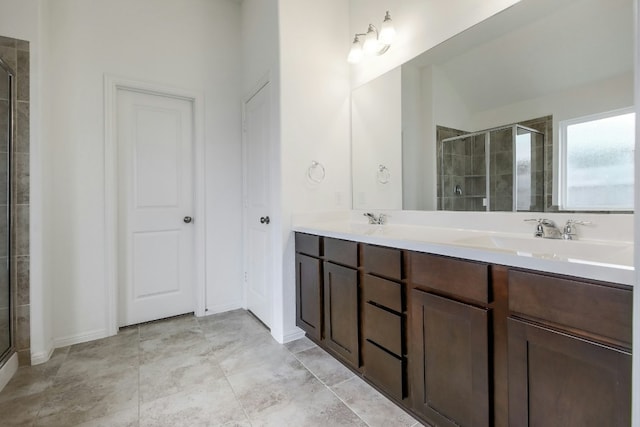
(387, 31)
(371, 44)
(356, 53)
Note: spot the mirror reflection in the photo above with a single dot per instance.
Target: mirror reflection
(508, 86)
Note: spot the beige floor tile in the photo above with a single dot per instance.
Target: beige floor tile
(168, 327)
(211, 405)
(74, 402)
(126, 418)
(375, 409)
(173, 374)
(323, 366)
(221, 370)
(299, 345)
(22, 411)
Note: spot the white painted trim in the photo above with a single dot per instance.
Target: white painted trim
(42, 356)
(8, 370)
(292, 335)
(222, 308)
(96, 334)
(111, 85)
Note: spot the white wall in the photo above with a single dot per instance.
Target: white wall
(314, 40)
(192, 45)
(420, 25)
(22, 19)
(376, 139)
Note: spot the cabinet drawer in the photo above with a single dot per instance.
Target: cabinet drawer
(594, 308)
(383, 328)
(382, 261)
(382, 292)
(341, 251)
(308, 244)
(465, 279)
(384, 369)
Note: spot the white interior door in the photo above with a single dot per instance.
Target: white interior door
(257, 242)
(155, 206)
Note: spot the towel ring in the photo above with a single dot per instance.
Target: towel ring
(316, 172)
(384, 176)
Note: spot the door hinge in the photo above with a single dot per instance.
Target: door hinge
(246, 276)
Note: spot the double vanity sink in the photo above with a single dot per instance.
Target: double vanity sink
(609, 260)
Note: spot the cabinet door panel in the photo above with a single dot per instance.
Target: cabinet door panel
(561, 380)
(341, 311)
(309, 295)
(385, 370)
(449, 359)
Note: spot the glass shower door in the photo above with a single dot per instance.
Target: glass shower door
(6, 135)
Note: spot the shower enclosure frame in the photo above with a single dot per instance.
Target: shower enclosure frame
(487, 159)
(6, 354)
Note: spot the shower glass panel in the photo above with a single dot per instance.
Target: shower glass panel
(464, 180)
(6, 135)
(501, 159)
(529, 158)
(500, 169)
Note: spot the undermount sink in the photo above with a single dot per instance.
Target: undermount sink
(566, 250)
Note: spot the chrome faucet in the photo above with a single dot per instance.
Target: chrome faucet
(569, 231)
(546, 229)
(380, 219)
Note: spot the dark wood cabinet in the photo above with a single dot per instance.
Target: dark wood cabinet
(384, 361)
(569, 352)
(556, 379)
(309, 295)
(449, 356)
(466, 343)
(341, 312)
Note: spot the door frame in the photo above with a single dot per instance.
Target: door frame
(263, 83)
(112, 84)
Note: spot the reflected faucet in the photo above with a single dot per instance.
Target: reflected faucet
(379, 220)
(546, 229)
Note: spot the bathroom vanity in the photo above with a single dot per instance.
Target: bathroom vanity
(466, 336)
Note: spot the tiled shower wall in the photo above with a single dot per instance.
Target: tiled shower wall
(15, 53)
(463, 164)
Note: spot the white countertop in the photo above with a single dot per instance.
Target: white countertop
(605, 260)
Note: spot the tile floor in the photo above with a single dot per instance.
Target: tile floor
(220, 370)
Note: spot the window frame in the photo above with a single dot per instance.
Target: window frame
(562, 163)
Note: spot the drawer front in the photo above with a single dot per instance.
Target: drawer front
(593, 308)
(341, 251)
(382, 261)
(465, 279)
(308, 244)
(382, 292)
(384, 370)
(383, 328)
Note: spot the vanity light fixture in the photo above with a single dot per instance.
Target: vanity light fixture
(375, 42)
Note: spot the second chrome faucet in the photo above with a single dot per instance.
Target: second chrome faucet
(548, 229)
(373, 219)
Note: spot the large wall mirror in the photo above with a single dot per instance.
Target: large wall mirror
(480, 121)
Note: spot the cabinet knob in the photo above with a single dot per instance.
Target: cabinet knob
(265, 220)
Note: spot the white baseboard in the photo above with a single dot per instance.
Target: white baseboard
(80, 338)
(40, 357)
(292, 335)
(8, 370)
(223, 308)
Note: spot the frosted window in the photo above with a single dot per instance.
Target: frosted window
(598, 163)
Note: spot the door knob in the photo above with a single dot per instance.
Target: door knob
(265, 220)
(187, 219)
